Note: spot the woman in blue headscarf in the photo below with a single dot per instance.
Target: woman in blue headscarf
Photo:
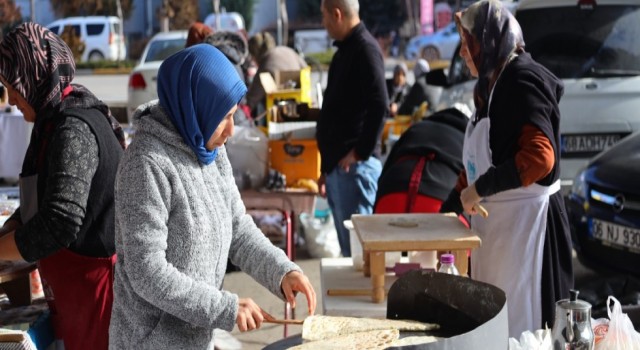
(179, 216)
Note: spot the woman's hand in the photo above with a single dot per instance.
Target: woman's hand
(296, 281)
(250, 315)
(469, 197)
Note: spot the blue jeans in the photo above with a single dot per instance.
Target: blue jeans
(352, 192)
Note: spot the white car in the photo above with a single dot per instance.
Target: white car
(437, 46)
(142, 81)
(102, 36)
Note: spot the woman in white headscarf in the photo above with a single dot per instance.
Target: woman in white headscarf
(419, 92)
(511, 158)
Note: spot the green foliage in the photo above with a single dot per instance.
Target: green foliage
(310, 10)
(182, 13)
(67, 8)
(10, 15)
(104, 64)
(322, 58)
(243, 7)
(382, 17)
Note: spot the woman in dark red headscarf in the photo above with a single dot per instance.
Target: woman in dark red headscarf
(65, 221)
(511, 160)
(197, 32)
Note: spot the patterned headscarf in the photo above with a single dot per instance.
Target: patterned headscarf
(198, 86)
(490, 25)
(37, 64)
(40, 67)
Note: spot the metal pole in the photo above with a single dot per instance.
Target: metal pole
(149, 18)
(216, 10)
(279, 22)
(285, 22)
(33, 10)
(121, 32)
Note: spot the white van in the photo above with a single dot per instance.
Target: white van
(230, 21)
(102, 36)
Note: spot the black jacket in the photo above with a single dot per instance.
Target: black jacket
(355, 101)
(442, 136)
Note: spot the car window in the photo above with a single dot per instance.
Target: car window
(54, 29)
(115, 27)
(161, 49)
(458, 70)
(75, 28)
(95, 29)
(574, 42)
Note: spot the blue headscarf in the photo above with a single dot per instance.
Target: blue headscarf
(198, 86)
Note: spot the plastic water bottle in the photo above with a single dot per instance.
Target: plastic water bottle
(447, 264)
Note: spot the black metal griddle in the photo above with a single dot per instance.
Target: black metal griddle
(471, 314)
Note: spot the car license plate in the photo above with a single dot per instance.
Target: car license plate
(588, 143)
(615, 235)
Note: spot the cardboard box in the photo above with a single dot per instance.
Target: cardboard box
(296, 159)
(276, 89)
(291, 130)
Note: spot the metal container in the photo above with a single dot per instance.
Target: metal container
(572, 326)
(288, 109)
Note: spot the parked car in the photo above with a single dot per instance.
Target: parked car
(102, 36)
(604, 209)
(142, 80)
(437, 46)
(595, 49)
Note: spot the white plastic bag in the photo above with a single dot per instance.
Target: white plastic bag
(621, 334)
(320, 236)
(539, 340)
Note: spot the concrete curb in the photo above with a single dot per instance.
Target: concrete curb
(103, 71)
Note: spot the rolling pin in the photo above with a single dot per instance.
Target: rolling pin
(481, 210)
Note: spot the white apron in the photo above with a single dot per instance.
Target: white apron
(512, 236)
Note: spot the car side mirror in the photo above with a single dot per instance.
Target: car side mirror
(437, 77)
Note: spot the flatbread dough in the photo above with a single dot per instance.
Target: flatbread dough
(403, 222)
(320, 327)
(371, 340)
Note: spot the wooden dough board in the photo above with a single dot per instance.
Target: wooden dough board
(433, 232)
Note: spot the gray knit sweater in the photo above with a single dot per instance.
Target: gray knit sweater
(177, 221)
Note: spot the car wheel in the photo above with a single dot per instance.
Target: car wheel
(430, 53)
(96, 56)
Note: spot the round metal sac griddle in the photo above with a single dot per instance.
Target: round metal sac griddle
(471, 314)
(294, 340)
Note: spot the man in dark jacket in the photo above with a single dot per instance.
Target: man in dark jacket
(355, 105)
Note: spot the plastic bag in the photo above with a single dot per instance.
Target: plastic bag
(621, 334)
(321, 236)
(539, 340)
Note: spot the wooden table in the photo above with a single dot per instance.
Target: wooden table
(14, 280)
(419, 232)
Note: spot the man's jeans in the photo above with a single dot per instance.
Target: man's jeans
(352, 193)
